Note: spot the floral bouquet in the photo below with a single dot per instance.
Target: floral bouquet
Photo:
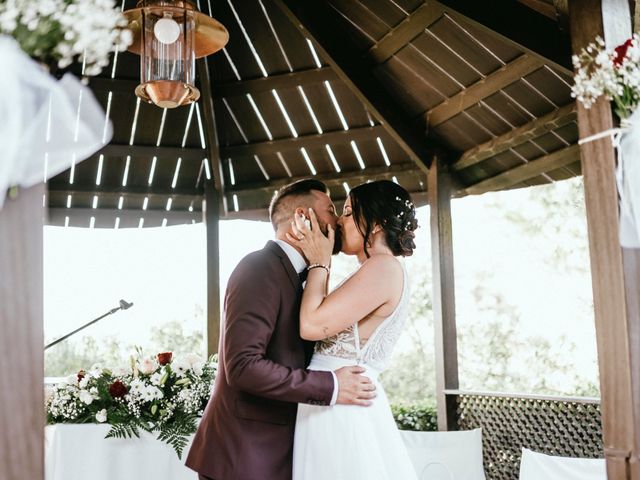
(615, 74)
(162, 394)
(64, 31)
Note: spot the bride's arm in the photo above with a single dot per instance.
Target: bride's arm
(323, 315)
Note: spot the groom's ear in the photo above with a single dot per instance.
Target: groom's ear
(300, 211)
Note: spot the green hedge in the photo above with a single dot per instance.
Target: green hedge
(415, 417)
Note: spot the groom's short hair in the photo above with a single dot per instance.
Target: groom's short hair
(282, 204)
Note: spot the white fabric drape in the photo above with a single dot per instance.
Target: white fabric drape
(80, 452)
(628, 177)
(538, 466)
(47, 125)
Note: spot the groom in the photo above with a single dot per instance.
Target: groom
(247, 429)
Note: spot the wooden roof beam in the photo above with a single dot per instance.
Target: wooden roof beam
(122, 150)
(314, 20)
(518, 136)
(231, 89)
(307, 141)
(513, 23)
(522, 173)
(332, 179)
(508, 74)
(107, 192)
(412, 26)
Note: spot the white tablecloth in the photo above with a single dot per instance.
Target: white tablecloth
(80, 452)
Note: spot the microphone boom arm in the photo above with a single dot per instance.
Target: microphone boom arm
(123, 306)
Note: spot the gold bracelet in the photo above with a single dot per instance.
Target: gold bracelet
(318, 265)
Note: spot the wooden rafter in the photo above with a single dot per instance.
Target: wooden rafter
(312, 19)
(122, 150)
(513, 23)
(412, 26)
(471, 95)
(542, 7)
(132, 192)
(256, 85)
(307, 141)
(518, 136)
(277, 82)
(527, 171)
(332, 179)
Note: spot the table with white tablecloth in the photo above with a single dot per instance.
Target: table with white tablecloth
(80, 452)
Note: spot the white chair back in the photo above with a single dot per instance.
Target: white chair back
(538, 466)
(446, 455)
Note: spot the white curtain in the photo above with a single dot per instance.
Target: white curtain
(47, 125)
(628, 177)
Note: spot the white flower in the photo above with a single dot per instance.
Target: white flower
(84, 382)
(180, 367)
(85, 397)
(101, 416)
(155, 378)
(72, 379)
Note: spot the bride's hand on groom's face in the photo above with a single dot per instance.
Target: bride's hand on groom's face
(309, 238)
(354, 388)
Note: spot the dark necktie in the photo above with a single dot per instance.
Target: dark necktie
(303, 275)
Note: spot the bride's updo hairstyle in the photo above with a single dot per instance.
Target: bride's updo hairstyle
(387, 204)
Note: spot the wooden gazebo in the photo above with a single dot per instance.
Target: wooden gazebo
(448, 98)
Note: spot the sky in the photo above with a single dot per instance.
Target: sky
(163, 272)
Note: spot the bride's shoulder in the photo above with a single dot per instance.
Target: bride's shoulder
(382, 264)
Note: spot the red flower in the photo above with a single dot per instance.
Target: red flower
(81, 375)
(164, 358)
(621, 52)
(117, 389)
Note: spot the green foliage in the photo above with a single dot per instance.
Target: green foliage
(418, 417)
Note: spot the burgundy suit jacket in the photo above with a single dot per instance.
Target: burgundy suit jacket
(247, 429)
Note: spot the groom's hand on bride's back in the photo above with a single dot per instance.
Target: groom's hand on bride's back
(353, 387)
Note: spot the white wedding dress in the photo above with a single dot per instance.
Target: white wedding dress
(347, 442)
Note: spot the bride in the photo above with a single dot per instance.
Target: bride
(359, 322)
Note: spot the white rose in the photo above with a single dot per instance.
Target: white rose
(85, 397)
(147, 366)
(101, 416)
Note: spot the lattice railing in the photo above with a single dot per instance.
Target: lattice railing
(556, 426)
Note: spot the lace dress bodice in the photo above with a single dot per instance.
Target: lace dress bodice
(377, 351)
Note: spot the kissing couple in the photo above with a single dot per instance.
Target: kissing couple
(297, 394)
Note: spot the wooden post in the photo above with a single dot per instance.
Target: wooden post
(615, 271)
(212, 219)
(444, 310)
(214, 207)
(22, 338)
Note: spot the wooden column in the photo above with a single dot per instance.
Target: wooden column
(444, 309)
(21, 337)
(212, 219)
(214, 207)
(615, 272)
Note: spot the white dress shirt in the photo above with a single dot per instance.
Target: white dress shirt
(299, 264)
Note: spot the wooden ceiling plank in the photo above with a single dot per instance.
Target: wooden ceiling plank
(524, 172)
(542, 7)
(307, 141)
(405, 32)
(311, 20)
(518, 136)
(508, 74)
(513, 24)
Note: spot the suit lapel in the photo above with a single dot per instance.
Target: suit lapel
(286, 263)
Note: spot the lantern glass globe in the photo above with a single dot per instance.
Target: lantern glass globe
(166, 30)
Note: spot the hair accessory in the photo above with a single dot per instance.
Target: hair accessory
(408, 204)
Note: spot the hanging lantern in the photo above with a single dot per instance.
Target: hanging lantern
(169, 36)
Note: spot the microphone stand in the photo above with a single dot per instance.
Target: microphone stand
(123, 306)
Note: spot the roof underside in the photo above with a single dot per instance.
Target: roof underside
(346, 91)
